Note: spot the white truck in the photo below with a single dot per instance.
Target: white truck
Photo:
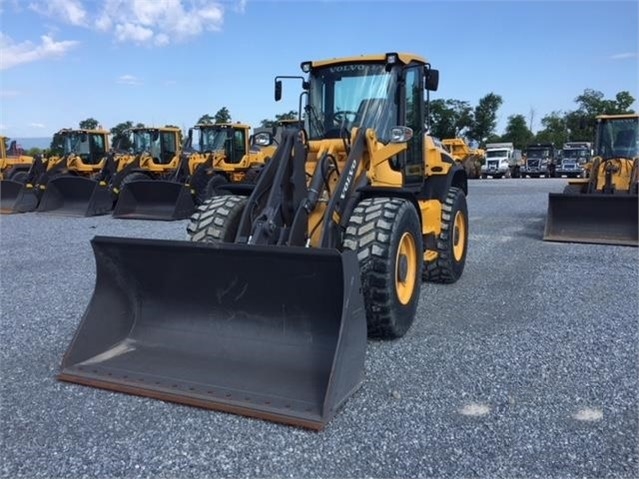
(574, 156)
(502, 160)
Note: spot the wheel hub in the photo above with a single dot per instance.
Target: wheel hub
(402, 269)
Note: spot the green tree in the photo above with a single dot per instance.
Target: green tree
(89, 124)
(290, 115)
(448, 118)
(555, 129)
(581, 122)
(34, 151)
(120, 139)
(485, 117)
(206, 119)
(517, 131)
(222, 115)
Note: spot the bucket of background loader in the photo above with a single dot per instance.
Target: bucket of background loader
(16, 197)
(277, 333)
(75, 196)
(592, 218)
(154, 200)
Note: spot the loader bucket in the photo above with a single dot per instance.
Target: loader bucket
(16, 197)
(592, 218)
(70, 195)
(277, 333)
(154, 200)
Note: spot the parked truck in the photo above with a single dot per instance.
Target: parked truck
(574, 156)
(502, 160)
(539, 159)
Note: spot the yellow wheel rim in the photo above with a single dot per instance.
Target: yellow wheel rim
(459, 236)
(406, 268)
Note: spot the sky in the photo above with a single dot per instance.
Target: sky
(171, 61)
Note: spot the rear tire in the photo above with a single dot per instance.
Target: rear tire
(386, 234)
(452, 244)
(217, 219)
(213, 185)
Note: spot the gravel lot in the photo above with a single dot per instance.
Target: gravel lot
(527, 367)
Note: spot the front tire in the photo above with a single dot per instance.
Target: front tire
(217, 219)
(386, 234)
(452, 243)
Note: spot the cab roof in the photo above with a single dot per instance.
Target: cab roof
(240, 126)
(625, 116)
(404, 58)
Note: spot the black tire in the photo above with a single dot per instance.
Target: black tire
(20, 176)
(483, 176)
(212, 187)
(217, 219)
(135, 176)
(535, 175)
(573, 189)
(378, 230)
(449, 266)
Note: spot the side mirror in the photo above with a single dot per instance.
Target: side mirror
(432, 79)
(263, 139)
(278, 90)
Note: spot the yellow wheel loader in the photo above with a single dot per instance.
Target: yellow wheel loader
(14, 170)
(602, 208)
(151, 188)
(470, 158)
(266, 311)
(223, 154)
(73, 183)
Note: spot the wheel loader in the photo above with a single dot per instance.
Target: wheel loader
(152, 188)
(14, 168)
(470, 158)
(70, 180)
(73, 182)
(221, 154)
(266, 310)
(603, 207)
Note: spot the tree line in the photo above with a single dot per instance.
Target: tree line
(451, 118)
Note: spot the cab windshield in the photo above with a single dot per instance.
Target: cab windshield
(145, 140)
(496, 153)
(537, 153)
(77, 143)
(210, 139)
(351, 95)
(618, 137)
(576, 154)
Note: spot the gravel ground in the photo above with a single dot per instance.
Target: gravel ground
(527, 367)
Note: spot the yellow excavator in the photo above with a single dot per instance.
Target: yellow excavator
(151, 188)
(603, 207)
(266, 310)
(14, 170)
(470, 158)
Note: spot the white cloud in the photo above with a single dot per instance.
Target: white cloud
(160, 22)
(17, 53)
(623, 56)
(69, 11)
(9, 93)
(3, 126)
(37, 125)
(128, 80)
(170, 83)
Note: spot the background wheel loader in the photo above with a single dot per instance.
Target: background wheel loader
(14, 170)
(152, 188)
(470, 158)
(602, 208)
(221, 154)
(72, 183)
(265, 312)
